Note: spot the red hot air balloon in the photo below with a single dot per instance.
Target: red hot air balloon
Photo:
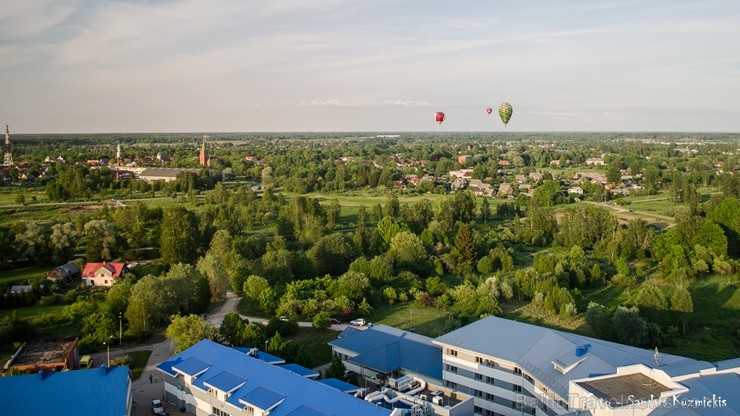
(439, 117)
(489, 110)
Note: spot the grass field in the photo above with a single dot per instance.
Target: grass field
(24, 275)
(428, 321)
(315, 343)
(137, 362)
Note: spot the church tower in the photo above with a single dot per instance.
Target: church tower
(204, 159)
(8, 159)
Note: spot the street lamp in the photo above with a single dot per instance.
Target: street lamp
(120, 328)
(266, 342)
(107, 344)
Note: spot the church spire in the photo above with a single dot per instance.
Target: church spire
(7, 149)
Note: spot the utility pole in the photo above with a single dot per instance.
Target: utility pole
(120, 328)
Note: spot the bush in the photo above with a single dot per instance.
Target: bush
(43, 320)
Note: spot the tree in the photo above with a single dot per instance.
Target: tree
(232, 328)
(213, 269)
(599, 319)
(466, 248)
(336, 369)
(613, 174)
(191, 286)
(353, 285)
(682, 305)
(153, 300)
(31, 241)
(179, 236)
(392, 206)
(254, 286)
(651, 300)
(322, 320)
(268, 300)
(186, 331)
(333, 254)
(62, 241)
(408, 252)
(485, 211)
(101, 240)
(629, 328)
(545, 195)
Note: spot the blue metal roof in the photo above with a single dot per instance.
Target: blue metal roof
(386, 349)
(262, 397)
(298, 391)
(712, 395)
(534, 348)
(191, 366)
(300, 370)
(306, 411)
(225, 381)
(95, 392)
(340, 385)
(264, 356)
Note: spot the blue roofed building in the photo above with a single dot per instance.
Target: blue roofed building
(513, 368)
(212, 379)
(91, 392)
(396, 366)
(382, 352)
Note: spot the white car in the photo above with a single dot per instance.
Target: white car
(358, 322)
(157, 407)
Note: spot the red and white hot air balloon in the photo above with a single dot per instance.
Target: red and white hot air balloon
(489, 110)
(439, 117)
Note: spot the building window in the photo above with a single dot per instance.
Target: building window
(249, 410)
(478, 393)
(218, 412)
(479, 360)
(517, 389)
(478, 410)
(528, 378)
(451, 384)
(478, 377)
(451, 368)
(489, 363)
(490, 397)
(452, 352)
(517, 370)
(490, 380)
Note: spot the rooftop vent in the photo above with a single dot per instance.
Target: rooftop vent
(581, 350)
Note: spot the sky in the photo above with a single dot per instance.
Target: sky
(83, 66)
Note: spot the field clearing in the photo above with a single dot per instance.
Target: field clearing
(33, 311)
(428, 321)
(24, 275)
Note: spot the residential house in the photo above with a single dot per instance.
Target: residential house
(513, 368)
(505, 189)
(520, 178)
(103, 274)
(462, 173)
(575, 190)
(479, 188)
(213, 379)
(595, 161)
(67, 272)
(536, 176)
(463, 159)
(91, 392)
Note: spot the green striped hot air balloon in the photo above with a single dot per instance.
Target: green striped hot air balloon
(504, 111)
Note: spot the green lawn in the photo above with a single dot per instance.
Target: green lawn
(315, 343)
(32, 311)
(137, 364)
(24, 275)
(428, 321)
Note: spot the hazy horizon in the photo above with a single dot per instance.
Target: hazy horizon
(81, 66)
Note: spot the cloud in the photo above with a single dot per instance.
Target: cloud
(27, 18)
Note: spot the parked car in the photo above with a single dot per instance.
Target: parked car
(284, 318)
(335, 321)
(157, 407)
(358, 322)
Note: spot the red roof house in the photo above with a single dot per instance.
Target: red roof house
(103, 274)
